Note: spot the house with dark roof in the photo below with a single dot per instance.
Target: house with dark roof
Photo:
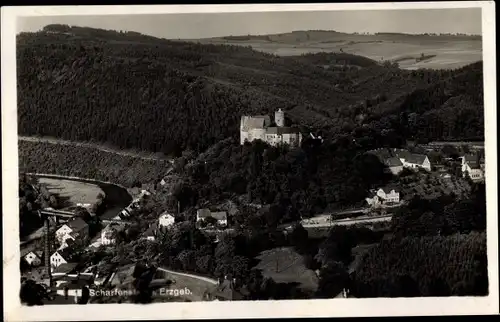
(229, 290)
(383, 196)
(413, 160)
(219, 216)
(151, 233)
(76, 229)
(61, 256)
(397, 159)
(473, 167)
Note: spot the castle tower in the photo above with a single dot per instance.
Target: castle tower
(279, 118)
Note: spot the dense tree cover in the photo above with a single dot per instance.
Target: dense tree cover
(90, 163)
(32, 197)
(137, 91)
(295, 182)
(442, 216)
(424, 266)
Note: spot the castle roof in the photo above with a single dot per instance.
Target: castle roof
(282, 130)
(255, 122)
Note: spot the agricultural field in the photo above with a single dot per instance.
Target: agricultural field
(284, 265)
(72, 192)
(442, 52)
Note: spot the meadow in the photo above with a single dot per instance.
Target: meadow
(72, 192)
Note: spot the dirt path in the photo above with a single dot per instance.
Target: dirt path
(90, 145)
(201, 278)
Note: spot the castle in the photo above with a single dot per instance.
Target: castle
(259, 128)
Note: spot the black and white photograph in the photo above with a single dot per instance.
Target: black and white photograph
(221, 157)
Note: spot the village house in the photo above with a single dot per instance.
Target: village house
(397, 159)
(228, 290)
(220, 216)
(61, 256)
(383, 196)
(110, 232)
(472, 167)
(74, 229)
(413, 160)
(166, 220)
(34, 258)
(259, 128)
(151, 233)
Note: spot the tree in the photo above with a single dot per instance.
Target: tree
(333, 278)
(298, 237)
(32, 293)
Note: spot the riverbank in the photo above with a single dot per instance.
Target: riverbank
(116, 195)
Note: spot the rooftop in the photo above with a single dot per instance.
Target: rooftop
(227, 290)
(65, 252)
(77, 224)
(255, 122)
(282, 130)
(65, 268)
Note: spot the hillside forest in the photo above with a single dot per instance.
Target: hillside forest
(185, 100)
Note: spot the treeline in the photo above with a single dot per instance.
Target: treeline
(295, 182)
(137, 91)
(442, 216)
(86, 162)
(33, 197)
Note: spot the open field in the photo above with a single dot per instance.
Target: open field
(72, 192)
(447, 51)
(284, 265)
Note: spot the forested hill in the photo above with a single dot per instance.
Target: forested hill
(136, 91)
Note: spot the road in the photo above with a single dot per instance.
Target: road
(201, 278)
(347, 222)
(88, 145)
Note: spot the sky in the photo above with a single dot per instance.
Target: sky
(206, 25)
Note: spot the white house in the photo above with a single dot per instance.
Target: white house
(413, 160)
(33, 258)
(109, 233)
(60, 257)
(472, 167)
(397, 159)
(383, 196)
(220, 216)
(166, 220)
(75, 228)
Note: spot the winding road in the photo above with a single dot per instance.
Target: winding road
(89, 145)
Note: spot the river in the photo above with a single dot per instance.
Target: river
(117, 198)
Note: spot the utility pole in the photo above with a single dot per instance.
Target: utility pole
(47, 247)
